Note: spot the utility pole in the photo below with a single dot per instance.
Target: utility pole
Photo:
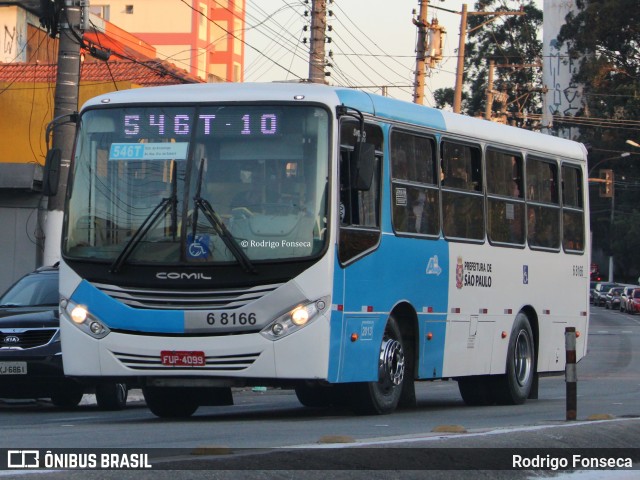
(489, 107)
(502, 97)
(65, 103)
(421, 23)
(457, 97)
(316, 41)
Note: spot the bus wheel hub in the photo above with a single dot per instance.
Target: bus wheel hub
(391, 369)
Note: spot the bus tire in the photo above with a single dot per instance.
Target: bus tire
(382, 397)
(166, 402)
(112, 396)
(316, 396)
(514, 387)
(476, 391)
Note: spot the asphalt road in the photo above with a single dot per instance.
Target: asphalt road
(270, 430)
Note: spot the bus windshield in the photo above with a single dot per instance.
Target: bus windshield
(199, 184)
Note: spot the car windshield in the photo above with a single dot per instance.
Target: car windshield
(636, 294)
(33, 290)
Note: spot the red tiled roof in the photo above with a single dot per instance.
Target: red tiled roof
(147, 73)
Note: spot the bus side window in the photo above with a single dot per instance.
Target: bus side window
(572, 210)
(543, 206)
(415, 199)
(505, 198)
(462, 200)
(359, 210)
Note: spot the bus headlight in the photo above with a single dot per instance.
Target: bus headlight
(295, 319)
(83, 319)
(79, 314)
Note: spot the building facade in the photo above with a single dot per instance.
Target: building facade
(28, 71)
(204, 37)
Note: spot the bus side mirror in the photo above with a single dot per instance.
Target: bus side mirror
(51, 173)
(362, 166)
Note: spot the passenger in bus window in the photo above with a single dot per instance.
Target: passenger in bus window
(418, 211)
(457, 179)
(251, 196)
(531, 225)
(400, 165)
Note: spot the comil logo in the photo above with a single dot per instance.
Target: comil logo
(182, 276)
(23, 459)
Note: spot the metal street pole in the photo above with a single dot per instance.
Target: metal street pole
(613, 194)
(613, 208)
(65, 103)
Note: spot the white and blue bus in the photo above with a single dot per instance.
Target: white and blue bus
(302, 236)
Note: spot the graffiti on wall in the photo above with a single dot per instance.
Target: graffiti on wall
(564, 94)
(13, 41)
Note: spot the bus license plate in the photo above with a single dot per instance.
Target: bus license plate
(13, 368)
(182, 359)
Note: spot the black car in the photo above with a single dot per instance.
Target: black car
(30, 353)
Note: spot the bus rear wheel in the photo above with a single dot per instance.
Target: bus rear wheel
(166, 402)
(514, 387)
(476, 391)
(382, 397)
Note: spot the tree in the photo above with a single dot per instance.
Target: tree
(512, 42)
(605, 36)
(625, 245)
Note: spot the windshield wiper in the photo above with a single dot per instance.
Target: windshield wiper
(219, 226)
(224, 233)
(133, 242)
(150, 221)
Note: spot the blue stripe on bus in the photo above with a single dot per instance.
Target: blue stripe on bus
(389, 108)
(396, 260)
(119, 316)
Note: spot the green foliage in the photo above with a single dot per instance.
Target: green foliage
(604, 35)
(625, 246)
(508, 40)
(443, 96)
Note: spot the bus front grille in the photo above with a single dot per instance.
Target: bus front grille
(192, 299)
(213, 363)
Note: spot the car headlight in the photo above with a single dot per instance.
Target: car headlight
(83, 319)
(298, 317)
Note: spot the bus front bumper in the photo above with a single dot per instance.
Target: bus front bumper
(303, 354)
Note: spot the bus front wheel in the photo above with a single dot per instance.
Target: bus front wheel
(514, 387)
(166, 402)
(383, 396)
(318, 396)
(112, 396)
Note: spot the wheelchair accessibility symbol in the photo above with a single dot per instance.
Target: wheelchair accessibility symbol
(198, 247)
(525, 274)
